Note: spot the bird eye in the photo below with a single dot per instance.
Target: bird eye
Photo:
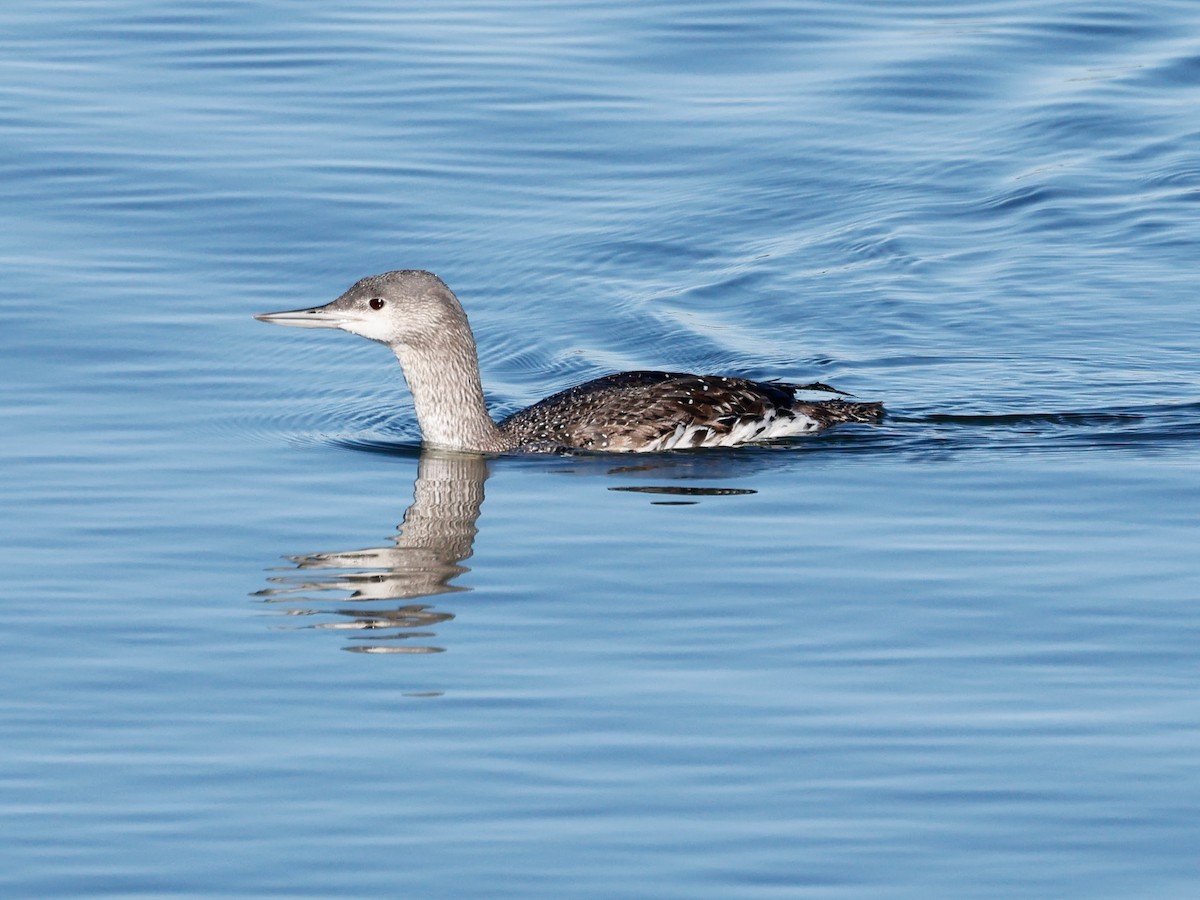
(375, 303)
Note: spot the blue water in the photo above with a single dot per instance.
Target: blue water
(952, 655)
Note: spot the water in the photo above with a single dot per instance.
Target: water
(951, 655)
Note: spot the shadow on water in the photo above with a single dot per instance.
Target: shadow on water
(438, 530)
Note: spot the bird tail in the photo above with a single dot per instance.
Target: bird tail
(831, 412)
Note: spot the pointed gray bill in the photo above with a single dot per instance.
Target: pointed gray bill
(316, 317)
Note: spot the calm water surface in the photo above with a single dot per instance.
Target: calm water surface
(255, 641)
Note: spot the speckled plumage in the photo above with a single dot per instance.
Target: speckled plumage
(648, 411)
(418, 316)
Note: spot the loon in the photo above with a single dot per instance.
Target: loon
(420, 319)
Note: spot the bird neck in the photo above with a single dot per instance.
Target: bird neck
(443, 377)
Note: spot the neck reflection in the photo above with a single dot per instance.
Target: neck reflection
(436, 535)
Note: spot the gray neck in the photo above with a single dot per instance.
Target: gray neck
(443, 376)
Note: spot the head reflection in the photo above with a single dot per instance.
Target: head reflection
(425, 556)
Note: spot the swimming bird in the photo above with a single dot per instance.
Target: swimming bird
(420, 319)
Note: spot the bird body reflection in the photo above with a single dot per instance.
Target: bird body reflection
(436, 535)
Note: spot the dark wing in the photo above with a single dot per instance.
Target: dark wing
(629, 410)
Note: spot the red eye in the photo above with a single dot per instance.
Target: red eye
(375, 303)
